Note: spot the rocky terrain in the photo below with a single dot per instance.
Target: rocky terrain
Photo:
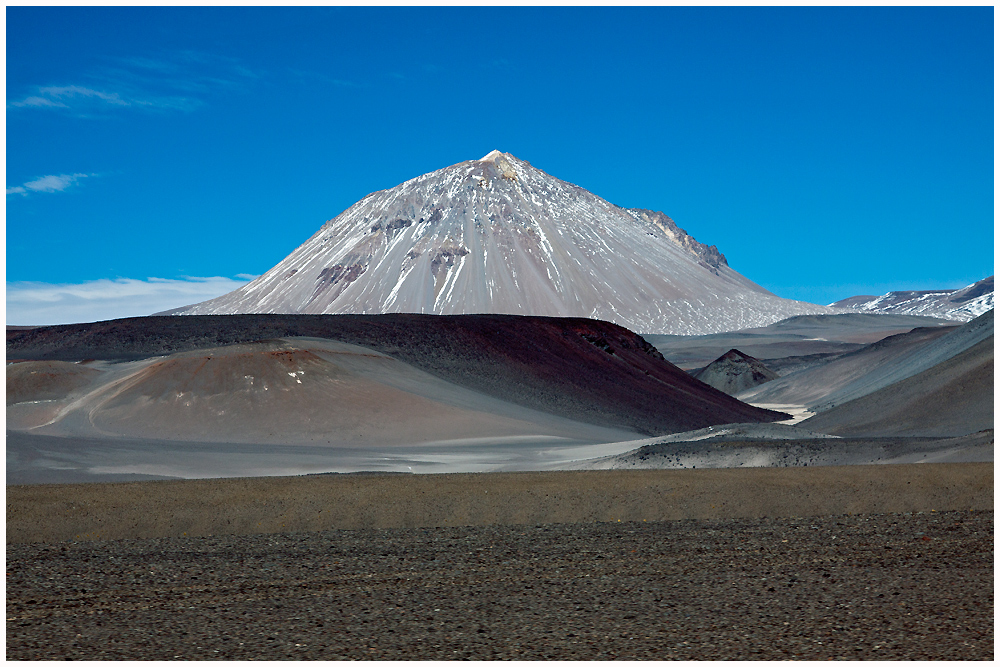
(872, 587)
(497, 235)
(753, 446)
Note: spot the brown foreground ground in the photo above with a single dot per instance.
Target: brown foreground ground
(859, 562)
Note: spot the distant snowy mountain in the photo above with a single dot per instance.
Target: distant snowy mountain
(962, 304)
(497, 235)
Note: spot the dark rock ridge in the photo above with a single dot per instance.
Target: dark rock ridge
(586, 370)
(734, 372)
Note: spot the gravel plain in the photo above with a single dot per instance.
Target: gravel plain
(851, 562)
(876, 586)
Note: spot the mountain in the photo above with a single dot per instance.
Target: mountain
(962, 304)
(734, 372)
(497, 235)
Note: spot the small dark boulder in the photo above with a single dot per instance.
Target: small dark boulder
(734, 371)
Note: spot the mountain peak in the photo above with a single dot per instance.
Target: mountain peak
(502, 164)
(500, 236)
(491, 156)
(951, 304)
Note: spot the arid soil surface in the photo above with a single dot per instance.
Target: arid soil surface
(882, 586)
(140, 510)
(857, 562)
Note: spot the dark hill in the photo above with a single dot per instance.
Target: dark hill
(587, 370)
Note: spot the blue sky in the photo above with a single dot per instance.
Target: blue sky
(160, 156)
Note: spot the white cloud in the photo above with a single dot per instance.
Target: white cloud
(82, 98)
(51, 183)
(96, 300)
(58, 96)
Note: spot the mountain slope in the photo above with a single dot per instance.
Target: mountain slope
(793, 338)
(497, 235)
(288, 392)
(962, 304)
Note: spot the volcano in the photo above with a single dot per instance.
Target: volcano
(497, 235)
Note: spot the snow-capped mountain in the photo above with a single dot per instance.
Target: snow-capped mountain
(497, 235)
(963, 304)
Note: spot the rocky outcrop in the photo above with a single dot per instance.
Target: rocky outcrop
(708, 254)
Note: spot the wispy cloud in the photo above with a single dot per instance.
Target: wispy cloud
(36, 101)
(51, 183)
(181, 81)
(86, 101)
(96, 300)
(69, 92)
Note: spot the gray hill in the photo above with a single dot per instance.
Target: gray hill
(951, 398)
(734, 372)
(873, 367)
